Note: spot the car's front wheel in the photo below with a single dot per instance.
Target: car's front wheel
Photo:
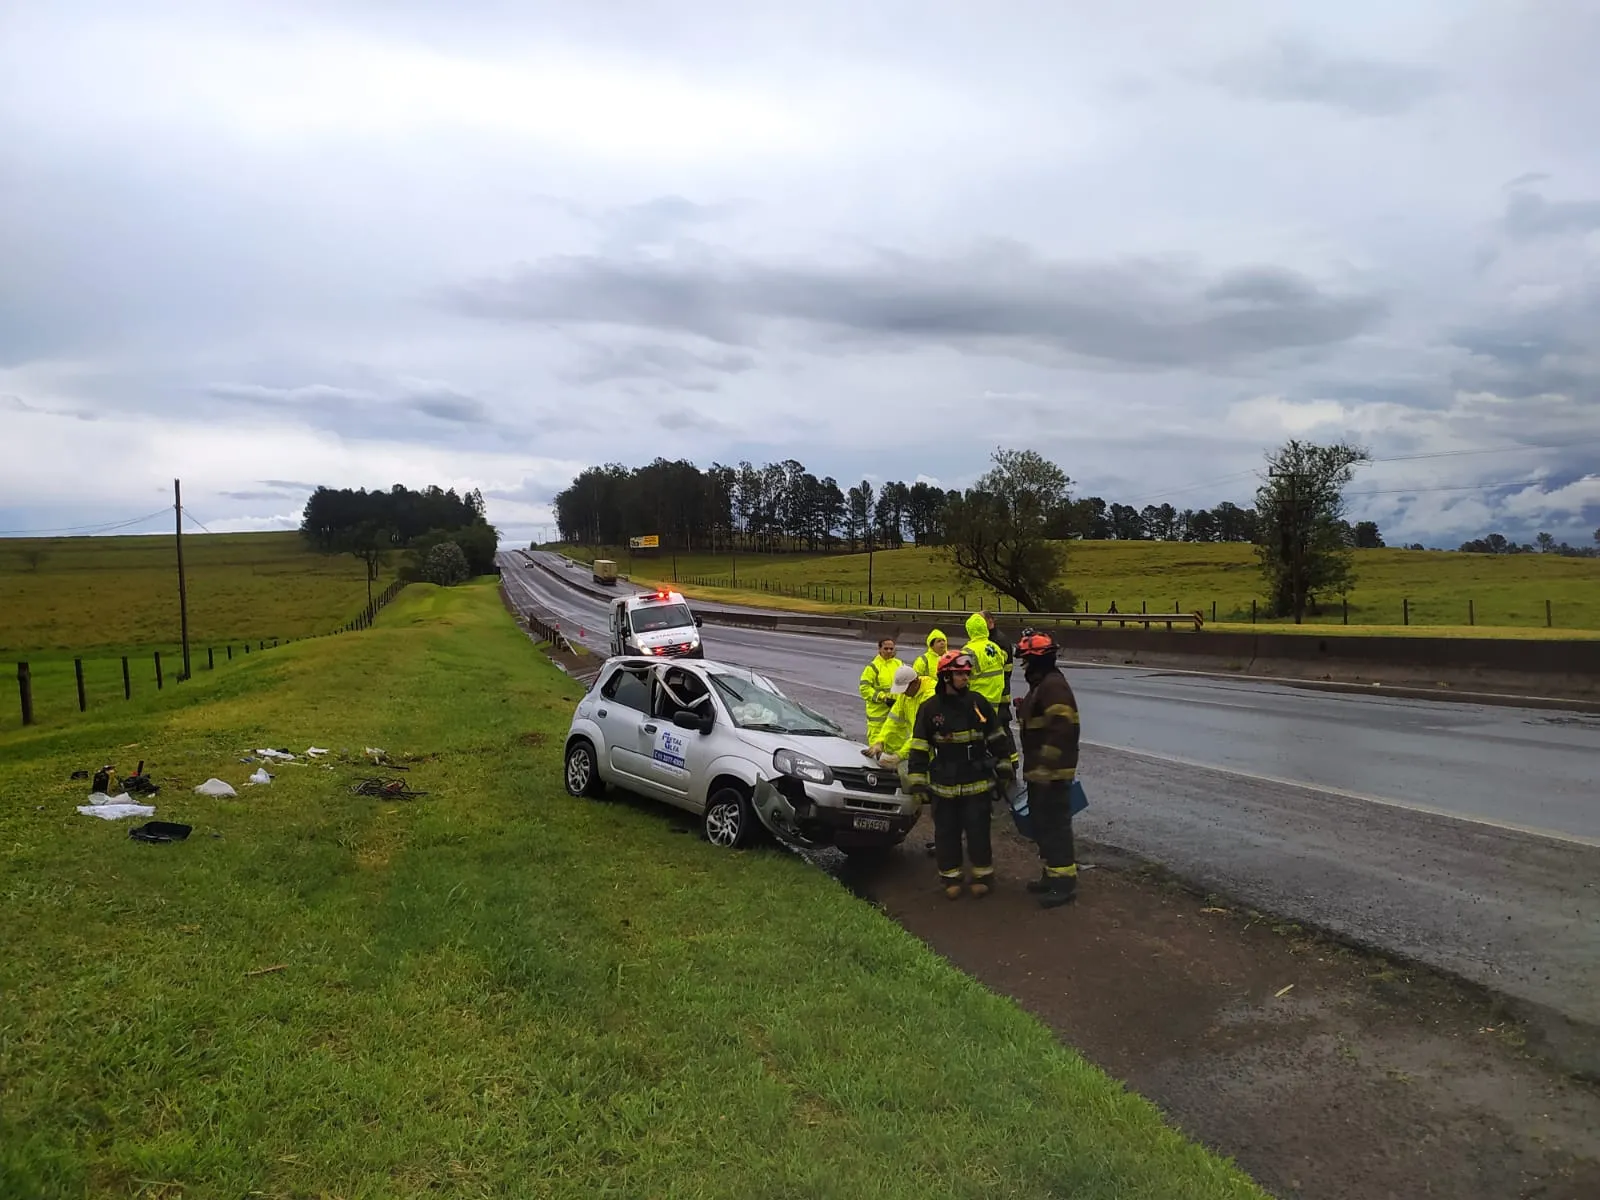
(582, 774)
(730, 821)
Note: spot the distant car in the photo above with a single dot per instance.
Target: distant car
(725, 743)
(654, 624)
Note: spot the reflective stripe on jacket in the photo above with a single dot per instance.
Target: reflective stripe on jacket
(956, 746)
(1050, 729)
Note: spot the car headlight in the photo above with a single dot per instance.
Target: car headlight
(801, 766)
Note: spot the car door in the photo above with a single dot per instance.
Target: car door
(678, 757)
(618, 619)
(623, 711)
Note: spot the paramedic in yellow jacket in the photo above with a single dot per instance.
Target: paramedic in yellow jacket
(927, 663)
(910, 690)
(877, 682)
(990, 661)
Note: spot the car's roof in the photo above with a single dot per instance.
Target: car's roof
(640, 599)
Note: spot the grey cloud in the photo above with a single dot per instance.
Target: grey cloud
(450, 406)
(1292, 71)
(1529, 215)
(999, 297)
(675, 364)
(1524, 180)
(272, 495)
(18, 404)
(287, 397)
(292, 485)
(681, 418)
(1553, 350)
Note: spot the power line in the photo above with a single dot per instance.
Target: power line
(194, 520)
(1464, 487)
(101, 527)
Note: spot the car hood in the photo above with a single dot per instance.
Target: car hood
(666, 637)
(835, 751)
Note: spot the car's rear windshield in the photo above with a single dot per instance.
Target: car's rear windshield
(653, 618)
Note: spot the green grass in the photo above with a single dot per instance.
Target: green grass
(493, 990)
(1507, 592)
(106, 596)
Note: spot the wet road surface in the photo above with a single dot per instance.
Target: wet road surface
(1464, 836)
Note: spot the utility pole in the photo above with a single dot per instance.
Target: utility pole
(183, 591)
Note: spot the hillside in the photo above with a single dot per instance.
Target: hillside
(88, 595)
(1505, 591)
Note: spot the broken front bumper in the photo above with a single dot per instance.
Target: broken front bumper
(795, 817)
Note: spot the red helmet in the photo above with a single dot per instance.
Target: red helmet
(955, 660)
(1036, 645)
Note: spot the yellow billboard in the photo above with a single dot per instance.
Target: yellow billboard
(650, 541)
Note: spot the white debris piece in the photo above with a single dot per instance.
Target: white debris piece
(314, 752)
(216, 787)
(261, 776)
(115, 809)
(278, 754)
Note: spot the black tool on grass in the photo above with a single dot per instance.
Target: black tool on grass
(160, 831)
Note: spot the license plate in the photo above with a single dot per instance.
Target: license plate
(881, 824)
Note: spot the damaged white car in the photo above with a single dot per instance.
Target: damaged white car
(725, 743)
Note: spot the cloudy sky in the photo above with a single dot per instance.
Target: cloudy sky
(265, 246)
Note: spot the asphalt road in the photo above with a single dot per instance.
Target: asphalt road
(1464, 836)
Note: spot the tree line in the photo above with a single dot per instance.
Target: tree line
(783, 506)
(1545, 543)
(375, 526)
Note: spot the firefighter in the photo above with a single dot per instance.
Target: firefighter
(877, 678)
(927, 663)
(1049, 726)
(959, 753)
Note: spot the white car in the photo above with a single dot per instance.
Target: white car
(725, 743)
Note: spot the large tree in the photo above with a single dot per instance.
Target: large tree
(997, 532)
(1302, 545)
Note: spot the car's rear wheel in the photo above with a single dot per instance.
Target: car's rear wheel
(582, 774)
(730, 821)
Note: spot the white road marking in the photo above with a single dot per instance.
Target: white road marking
(1345, 793)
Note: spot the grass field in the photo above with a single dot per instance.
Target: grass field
(492, 990)
(1506, 592)
(114, 594)
(100, 598)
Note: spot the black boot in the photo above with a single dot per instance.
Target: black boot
(1039, 886)
(1059, 890)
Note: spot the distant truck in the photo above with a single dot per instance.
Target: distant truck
(605, 571)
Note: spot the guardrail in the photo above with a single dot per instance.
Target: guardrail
(1192, 620)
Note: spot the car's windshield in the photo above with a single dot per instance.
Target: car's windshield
(657, 617)
(753, 704)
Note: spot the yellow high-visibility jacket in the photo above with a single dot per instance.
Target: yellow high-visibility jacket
(989, 660)
(877, 677)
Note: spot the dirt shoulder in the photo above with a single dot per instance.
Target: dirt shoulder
(1323, 1071)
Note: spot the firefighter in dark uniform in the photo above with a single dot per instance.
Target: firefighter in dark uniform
(959, 752)
(1049, 727)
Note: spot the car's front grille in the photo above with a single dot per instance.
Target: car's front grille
(863, 779)
(877, 806)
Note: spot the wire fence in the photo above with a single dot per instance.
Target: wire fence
(95, 680)
(1403, 611)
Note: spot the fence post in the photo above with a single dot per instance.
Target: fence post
(247, 647)
(25, 687)
(1213, 612)
(211, 659)
(230, 651)
(263, 646)
(1252, 610)
(127, 680)
(77, 669)
(158, 670)
(1144, 608)
(1472, 613)
(1547, 617)
(1405, 610)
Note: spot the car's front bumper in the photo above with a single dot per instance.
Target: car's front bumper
(814, 816)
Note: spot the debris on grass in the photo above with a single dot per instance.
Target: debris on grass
(389, 789)
(216, 787)
(267, 970)
(114, 808)
(1282, 992)
(160, 831)
(260, 776)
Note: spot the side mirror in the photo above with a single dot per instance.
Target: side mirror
(699, 621)
(684, 719)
